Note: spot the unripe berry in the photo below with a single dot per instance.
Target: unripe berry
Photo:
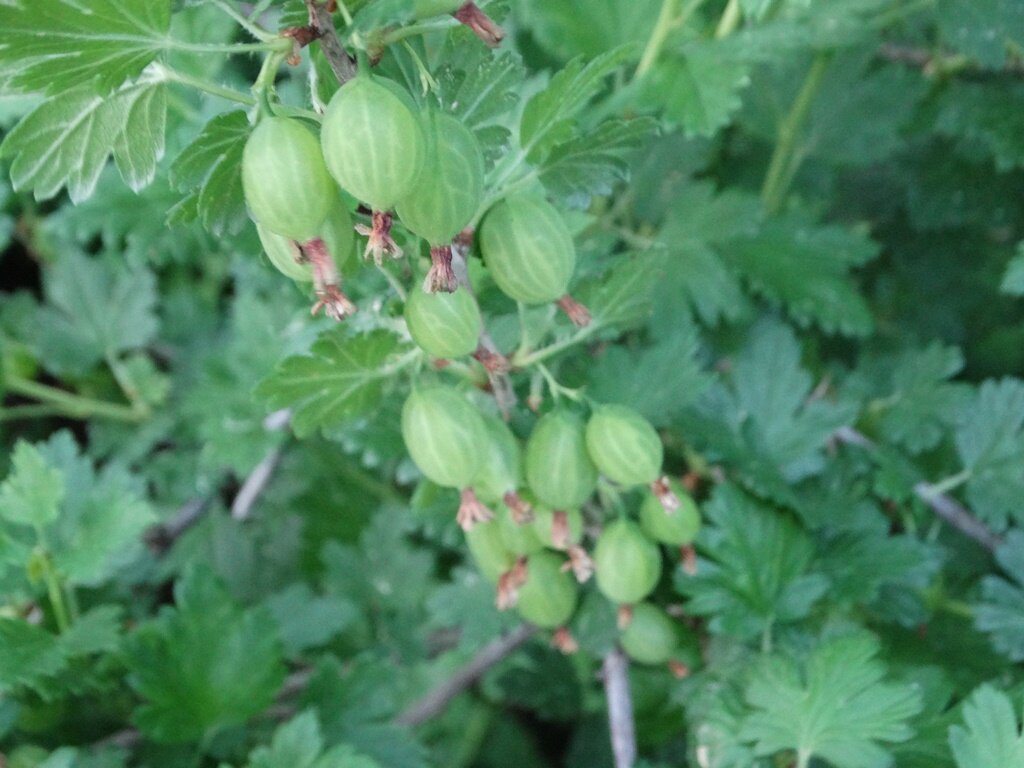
(624, 445)
(626, 563)
(336, 231)
(286, 184)
(652, 636)
(528, 249)
(548, 597)
(519, 538)
(449, 189)
(444, 325)
(372, 142)
(558, 468)
(488, 549)
(501, 470)
(445, 435)
(677, 528)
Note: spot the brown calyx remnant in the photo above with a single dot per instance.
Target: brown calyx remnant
(472, 510)
(688, 559)
(564, 641)
(481, 24)
(662, 489)
(576, 312)
(509, 584)
(678, 669)
(494, 362)
(521, 510)
(579, 563)
(301, 36)
(379, 243)
(624, 617)
(326, 281)
(441, 276)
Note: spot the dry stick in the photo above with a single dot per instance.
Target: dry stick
(501, 384)
(255, 484)
(320, 18)
(943, 505)
(926, 60)
(620, 708)
(435, 702)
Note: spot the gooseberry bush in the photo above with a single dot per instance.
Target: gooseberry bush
(400, 383)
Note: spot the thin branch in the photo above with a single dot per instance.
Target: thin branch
(437, 700)
(321, 20)
(161, 538)
(942, 504)
(255, 484)
(931, 62)
(620, 708)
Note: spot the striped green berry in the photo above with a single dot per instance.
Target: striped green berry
(487, 546)
(445, 435)
(336, 231)
(444, 325)
(286, 184)
(528, 249)
(519, 538)
(449, 189)
(372, 142)
(558, 468)
(652, 636)
(624, 445)
(548, 598)
(677, 528)
(501, 470)
(626, 563)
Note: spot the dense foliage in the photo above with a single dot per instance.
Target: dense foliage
(771, 446)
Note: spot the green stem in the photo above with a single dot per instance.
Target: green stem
(127, 388)
(474, 731)
(670, 17)
(17, 412)
(543, 354)
(557, 389)
(174, 76)
(397, 35)
(369, 483)
(780, 170)
(948, 484)
(731, 18)
(803, 758)
(275, 44)
(248, 25)
(345, 14)
(265, 83)
(957, 608)
(72, 405)
(56, 595)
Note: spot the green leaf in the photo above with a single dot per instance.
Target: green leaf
(306, 620)
(480, 89)
(344, 376)
(94, 309)
(33, 491)
(204, 664)
(549, 117)
(986, 115)
(588, 27)
(837, 707)
(1001, 610)
(985, 30)
(991, 736)
(1013, 279)
(660, 380)
(589, 165)
(921, 404)
(990, 441)
(624, 296)
(754, 570)
(698, 90)
(805, 267)
(28, 654)
(467, 604)
(210, 170)
(67, 141)
(58, 44)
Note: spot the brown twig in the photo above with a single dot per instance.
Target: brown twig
(341, 64)
(943, 505)
(620, 708)
(255, 484)
(437, 700)
(932, 62)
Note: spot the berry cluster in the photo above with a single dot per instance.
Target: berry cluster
(425, 167)
(522, 511)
